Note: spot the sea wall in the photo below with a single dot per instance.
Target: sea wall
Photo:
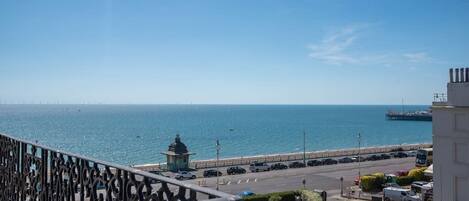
(211, 163)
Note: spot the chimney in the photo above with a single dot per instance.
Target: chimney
(467, 74)
(451, 77)
(458, 87)
(461, 75)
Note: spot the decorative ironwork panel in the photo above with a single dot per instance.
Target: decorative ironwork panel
(32, 172)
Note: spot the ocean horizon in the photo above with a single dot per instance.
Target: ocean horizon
(133, 134)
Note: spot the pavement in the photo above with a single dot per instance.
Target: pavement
(320, 177)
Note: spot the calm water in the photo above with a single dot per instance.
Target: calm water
(136, 134)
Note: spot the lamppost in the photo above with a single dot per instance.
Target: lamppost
(218, 158)
(359, 161)
(304, 147)
(359, 157)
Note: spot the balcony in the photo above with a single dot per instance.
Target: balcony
(440, 99)
(29, 171)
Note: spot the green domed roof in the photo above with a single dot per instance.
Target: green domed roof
(177, 146)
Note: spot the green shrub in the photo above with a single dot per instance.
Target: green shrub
(259, 197)
(368, 183)
(284, 196)
(379, 179)
(372, 182)
(417, 173)
(275, 198)
(287, 195)
(404, 180)
(309, 195)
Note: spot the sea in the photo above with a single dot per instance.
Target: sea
(137, 134)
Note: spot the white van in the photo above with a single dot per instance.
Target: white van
(396, 194)
(256, 167)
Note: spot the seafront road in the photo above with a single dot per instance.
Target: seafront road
(320, 177)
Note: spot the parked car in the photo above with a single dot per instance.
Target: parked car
(278, 166)
(385, 156)
(314, 163)
(184, 175)
(346, 160)
(401, 155)
(373, 158)
(296, 164)
(329, 161)
(357, 180)
(235, 170)
(412, 153)
(256, 167)
(212, 173)
(246, 194)
(402, 173)
(355, 159)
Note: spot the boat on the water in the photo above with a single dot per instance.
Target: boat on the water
(425, 115)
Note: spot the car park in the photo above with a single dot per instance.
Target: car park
(212, 173)
(296, 164)
(346, 160)
(184, 175)
(314, 163)
(235, 170)
(278, 166)
(259, 166)
(329, 161)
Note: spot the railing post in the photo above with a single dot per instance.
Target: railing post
(451, 80)
(44, 174)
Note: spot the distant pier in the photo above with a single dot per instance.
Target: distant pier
(409, 116)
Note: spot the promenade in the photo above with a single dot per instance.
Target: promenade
(224, 162)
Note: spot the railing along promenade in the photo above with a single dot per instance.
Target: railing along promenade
(33, 172)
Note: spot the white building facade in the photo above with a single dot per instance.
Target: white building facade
(451, 140)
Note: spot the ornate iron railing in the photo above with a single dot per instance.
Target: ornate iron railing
(33, 172)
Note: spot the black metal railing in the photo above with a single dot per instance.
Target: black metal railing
(440, 97)
(29, 171)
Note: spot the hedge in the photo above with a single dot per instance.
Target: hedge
(404, 180)
(417, 173)
(275, 198)
(309, 196)
(284, 196)
(379, 179)
(372, 182)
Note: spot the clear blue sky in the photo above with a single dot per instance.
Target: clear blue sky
(230, 52)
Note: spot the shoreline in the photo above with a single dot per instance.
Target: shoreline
(285, 157)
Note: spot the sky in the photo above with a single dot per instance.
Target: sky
(230, 52)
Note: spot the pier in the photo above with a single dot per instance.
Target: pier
(410, 116)
(212, 163)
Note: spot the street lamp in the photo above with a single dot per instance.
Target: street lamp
(304, 147)
(359, 161)
(359, 157)
(218, 158)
